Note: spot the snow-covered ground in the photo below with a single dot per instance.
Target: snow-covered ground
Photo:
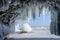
(38, 32)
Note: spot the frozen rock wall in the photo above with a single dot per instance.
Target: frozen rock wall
(53, 26)
(55, 22)
(58, 23)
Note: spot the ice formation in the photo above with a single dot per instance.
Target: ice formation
(26, 28)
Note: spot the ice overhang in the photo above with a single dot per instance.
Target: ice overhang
(24, 9)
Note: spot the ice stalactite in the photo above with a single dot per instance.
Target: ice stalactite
(37, 11)
(40, 9)
(27, 10)
(33, 11)
(29, 14)
(43, 13)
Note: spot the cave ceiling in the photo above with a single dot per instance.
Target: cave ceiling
(8, 8)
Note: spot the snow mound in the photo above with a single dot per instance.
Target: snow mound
(26, 28)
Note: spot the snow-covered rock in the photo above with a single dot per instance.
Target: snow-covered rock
(26, 28)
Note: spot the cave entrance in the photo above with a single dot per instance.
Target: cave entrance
(46, 20)
(28, 13)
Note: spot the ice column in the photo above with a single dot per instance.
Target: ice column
(43, 13)
(29, 13)
(37, 10)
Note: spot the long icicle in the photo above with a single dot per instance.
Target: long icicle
(43, 12)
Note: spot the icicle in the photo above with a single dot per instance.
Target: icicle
(40, 9)
(24, 14)
(33, 14)
(29, 14)
(39, 12)
(43, 12)
(27, 11)
(36, 10)
(33, 11)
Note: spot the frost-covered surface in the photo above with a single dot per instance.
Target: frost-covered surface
(4, 29)
(37, 32)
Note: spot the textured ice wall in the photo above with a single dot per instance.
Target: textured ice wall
(23, 10)
(4, 29)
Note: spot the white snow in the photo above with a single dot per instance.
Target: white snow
(37, 32)
(17, 28)
(26, 28)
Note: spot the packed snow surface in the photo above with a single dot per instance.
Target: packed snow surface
(37, 32)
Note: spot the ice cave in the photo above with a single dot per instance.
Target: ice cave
(14, 11)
